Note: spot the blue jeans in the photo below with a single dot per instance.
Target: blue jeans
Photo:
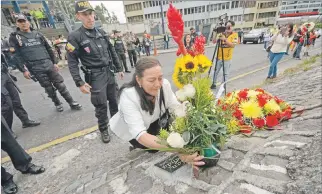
(297, 51)
(265, 44)
(274, 58)
(218, 68)
(166, 45)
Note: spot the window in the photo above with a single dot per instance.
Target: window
(239, 18)
(219, 6)
(199, 9)
(223, 6)
(216, 7)
(203, 8)
(235, 18)
(185, 11)
(227, 5)
(192, 10)
(189, 11)
(150, 3)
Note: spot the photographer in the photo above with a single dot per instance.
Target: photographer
(225, 51)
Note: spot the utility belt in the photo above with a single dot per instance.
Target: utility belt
(89, 71)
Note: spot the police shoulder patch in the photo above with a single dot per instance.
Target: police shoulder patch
(70, 47)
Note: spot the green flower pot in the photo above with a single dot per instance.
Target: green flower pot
(212, 157)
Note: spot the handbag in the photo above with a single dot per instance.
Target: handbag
(165, 119)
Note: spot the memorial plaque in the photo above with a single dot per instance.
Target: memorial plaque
(171, 163)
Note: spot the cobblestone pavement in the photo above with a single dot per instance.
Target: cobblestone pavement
(268, 162)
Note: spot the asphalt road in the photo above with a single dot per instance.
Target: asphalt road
(54, 124)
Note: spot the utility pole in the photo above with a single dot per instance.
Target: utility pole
(162, 17)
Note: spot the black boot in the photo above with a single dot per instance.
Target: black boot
(75, 106)
(213, 86)
(9, 187)
(59, 107)
(30, 123)
(34, 169)
(105, 135)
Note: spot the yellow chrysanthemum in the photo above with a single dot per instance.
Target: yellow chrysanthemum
(250, 109)
(252, 94)
(203, 61)
(176, 78)
(187, 63)
(233, 98)
(232, 126)
(271, 106)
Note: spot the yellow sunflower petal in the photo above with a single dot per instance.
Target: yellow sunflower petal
(188, 63)
(203, 61)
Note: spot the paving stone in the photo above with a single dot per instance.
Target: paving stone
(235, 188)
(257, 158)
(73, 186)
(271, 185)
(226, 154)
(243, 144)
(237, 156)
(92, 184)
(97, 173)
(84, 178)
(226, 165)
(118, 186)
(80, 189)
(170, 190)
(285, 153)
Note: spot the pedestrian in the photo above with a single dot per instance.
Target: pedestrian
(166, 41)
(240, 34)
(138, 45)
(193, 35)
(146, 44)
(225, 52)
(10, 91)
(130, 40)
(32, 50)
(138, 120)
(20, 159)
(120, 50)
(267, 38)
(298, 40)
(188, 44)
(99, 59)
(281, 41)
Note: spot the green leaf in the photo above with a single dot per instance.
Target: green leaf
(186, 136)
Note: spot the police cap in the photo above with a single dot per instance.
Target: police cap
(21, 17)
(82, 6)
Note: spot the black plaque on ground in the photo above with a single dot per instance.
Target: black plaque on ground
(170, 164)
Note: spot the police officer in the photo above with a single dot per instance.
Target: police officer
(130, 40)
(97, 55)
(33, 50)
(8, 88)
(120, 50)
(20, 159)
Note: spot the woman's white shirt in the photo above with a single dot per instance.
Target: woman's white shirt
(280, 43)
(131, 121)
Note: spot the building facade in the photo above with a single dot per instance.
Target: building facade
(246, 14)
(291, 7)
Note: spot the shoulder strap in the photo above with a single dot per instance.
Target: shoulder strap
(162, 101)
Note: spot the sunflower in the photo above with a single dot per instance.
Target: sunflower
(271, 107)
(176, 77)
(187, 63)
(250, 109)
(203, 61)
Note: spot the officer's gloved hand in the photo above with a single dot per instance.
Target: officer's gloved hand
(26, 74)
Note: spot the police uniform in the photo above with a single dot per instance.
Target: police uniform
(33, 50)
(12, 98)
(120, 50)
(97, 55)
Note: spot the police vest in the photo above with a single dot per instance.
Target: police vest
(119, 46)
(32, 46)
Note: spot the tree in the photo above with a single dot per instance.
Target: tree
(99, 14)
(114, 18)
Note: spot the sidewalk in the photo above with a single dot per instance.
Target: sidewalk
(247, 165)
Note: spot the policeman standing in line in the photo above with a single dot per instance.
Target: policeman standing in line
(130, 40)
(97, 55)
(33, 51)
(9, 89)
(120, 50)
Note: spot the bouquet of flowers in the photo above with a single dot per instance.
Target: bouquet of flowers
(198, 124)
(253, 110)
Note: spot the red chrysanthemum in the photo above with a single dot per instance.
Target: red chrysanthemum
(277, 100)
(260, 90)
(218, 102)
(229, 94)
(224, 107)
(259, 123)
(271, 121)
(262, 100)
(243, 95)
(241, 122)
(238, 114)
(287, 114)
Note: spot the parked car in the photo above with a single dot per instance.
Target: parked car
(255, 36)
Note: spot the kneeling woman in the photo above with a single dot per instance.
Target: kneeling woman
(140, 108)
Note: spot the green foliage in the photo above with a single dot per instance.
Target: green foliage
(164, 134)
(204, 96)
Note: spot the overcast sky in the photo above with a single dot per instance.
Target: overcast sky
(116, 6)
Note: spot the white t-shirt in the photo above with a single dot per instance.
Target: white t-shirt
(280, 43)
(131, 121)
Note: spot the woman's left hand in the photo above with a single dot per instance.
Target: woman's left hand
(193, 159)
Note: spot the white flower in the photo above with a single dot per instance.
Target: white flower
(189, 90)
(180, 110)
(181, 95)
(175, 140)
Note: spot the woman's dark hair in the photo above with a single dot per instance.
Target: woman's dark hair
(142, 65)
(291, 26)
(230, 21)
(185, 42)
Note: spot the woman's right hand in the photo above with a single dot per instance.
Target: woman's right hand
(193, 159)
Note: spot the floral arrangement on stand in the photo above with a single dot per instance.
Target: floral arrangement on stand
(254, 110)
(198, 124)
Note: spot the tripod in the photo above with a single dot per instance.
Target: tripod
(218, 46)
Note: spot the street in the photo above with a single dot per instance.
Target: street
(54, 125)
